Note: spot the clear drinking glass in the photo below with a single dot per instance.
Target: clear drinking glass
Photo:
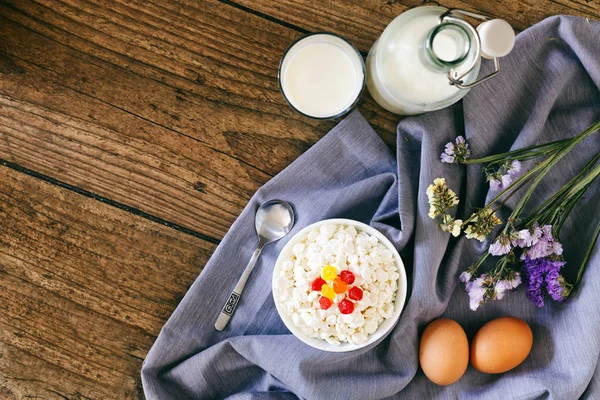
(321, 75)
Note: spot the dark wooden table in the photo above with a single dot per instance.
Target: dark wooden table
(132, 133)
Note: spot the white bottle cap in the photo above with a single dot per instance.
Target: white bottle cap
(497, 38)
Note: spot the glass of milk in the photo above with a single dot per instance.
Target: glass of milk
(321, 76)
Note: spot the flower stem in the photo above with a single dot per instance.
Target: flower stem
(568, 207)
(500, 266)
(548, 147)
(511, 194)
(547, 165)
(479, 262)
(588, 253)
(550, 203)
(567, 145)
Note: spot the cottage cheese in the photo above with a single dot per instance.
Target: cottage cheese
(343, 247)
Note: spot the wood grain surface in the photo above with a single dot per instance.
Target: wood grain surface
(132, 133)
(84, 290)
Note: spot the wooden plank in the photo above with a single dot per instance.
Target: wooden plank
(362, 21)
(84, 291)
(172, 108)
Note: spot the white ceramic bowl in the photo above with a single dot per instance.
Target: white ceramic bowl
(387, 324)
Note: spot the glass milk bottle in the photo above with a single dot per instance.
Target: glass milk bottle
(429, 57)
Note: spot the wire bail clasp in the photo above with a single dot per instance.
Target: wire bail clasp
(456, 78)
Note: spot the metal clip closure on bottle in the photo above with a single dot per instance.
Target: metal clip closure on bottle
(493, 38)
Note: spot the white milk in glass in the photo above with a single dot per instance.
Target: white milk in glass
(322, 76)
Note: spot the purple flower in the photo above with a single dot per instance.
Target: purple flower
(544, 273)
(446, 158)
(515, 281)
(557, 248)
(524, 239)
(537, 234)
(495, 184)
(506, 181)
(488, 287)
(547, 231)
(514, 168)
(501, 246)
(534, 274)
(510, 282)
(465, 276)
(557, 287)
(455, 152)
(543, 243)
(476, 292)
(500, 288)
(499, 182)
(503, 176)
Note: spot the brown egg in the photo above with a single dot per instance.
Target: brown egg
(501, 345)
(444, 351)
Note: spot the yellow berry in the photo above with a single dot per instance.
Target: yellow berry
(329, 273)
(327, 291)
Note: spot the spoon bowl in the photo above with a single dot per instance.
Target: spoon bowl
(274, 219)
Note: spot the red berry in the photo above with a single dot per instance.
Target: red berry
(347, 277)
(355, 293)
(346, 306)
(325, 303)
(318, 284)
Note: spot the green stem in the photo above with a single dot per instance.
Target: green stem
(500, 266)
(480, 261)
(588, 253)
(511, 194)
(547, 165)
(519, 182)
(589, 178)
(550, 203)
(569, 206)
(554, 145)
(572, 197)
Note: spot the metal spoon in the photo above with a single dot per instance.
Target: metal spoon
(274, 219)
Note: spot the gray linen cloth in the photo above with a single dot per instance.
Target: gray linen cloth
(547, 90)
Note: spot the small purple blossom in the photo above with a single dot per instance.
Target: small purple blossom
(544, 273)
(500, 182)
(557, 288)
(515, 281)
(501, 246)
(455, 152)
(505, 285)
(515, 168)
(503, 176)
(446, 158)
(495, 184)
(488, 287)
(500, 288)
(538, 242)
(465, 276)
(476, 292)
(524, 239)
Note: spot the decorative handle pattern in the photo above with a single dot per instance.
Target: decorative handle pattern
(229, 307)
(234, 298)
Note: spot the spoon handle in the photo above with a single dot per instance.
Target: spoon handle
(234, 298)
